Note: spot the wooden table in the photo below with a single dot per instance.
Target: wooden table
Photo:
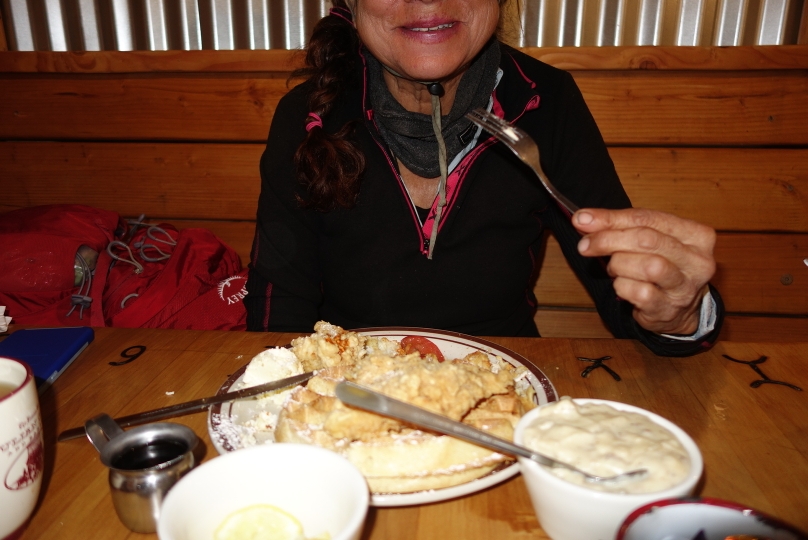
(754, 438)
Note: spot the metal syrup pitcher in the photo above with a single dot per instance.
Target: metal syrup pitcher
(144, 463)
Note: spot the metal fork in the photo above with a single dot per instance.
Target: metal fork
(523, 146)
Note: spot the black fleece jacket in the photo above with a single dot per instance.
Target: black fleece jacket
(367, 266)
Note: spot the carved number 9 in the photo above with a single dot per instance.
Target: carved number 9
(131, 354)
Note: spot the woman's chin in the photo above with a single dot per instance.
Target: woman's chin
(431, 68)
(422, 60)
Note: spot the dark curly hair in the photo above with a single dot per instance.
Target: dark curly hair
(329, 166)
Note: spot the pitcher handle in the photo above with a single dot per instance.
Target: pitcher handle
(101, 429)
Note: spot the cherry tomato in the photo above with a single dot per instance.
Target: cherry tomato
(421, 345)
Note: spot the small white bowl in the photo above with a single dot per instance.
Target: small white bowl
(322, 489)
(715, 519)
(568, 511)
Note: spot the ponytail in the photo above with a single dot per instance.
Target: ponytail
(329, 166)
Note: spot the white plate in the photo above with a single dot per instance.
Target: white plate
(226, 421)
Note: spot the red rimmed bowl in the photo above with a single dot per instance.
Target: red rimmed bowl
(703, 519)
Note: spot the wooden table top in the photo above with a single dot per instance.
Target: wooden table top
(754, 437)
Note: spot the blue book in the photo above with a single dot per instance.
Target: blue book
(49, 351)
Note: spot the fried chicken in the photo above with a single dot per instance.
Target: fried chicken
(479, 389)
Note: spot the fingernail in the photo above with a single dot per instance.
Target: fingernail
(585, 218)
(583, 245)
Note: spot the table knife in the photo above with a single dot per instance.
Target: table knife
(193, 406)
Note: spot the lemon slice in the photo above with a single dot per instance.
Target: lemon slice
(260, 522)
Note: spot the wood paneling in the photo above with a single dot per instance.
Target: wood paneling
(3, 40)
(764, 329)
(219, 183)
(632, 108)
(751, 276)
(699, 108)
(278, 62)
(716, 134)
(763, 273)
(571, 323)
(729, 189)
(757, 273)
(166, 180)
(236, 234)
(673, 58)
(583, 323)
(275, 62)
(166, 108)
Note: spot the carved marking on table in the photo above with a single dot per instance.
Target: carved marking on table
(598, 363)
(130, 355)
(720, 407)
(765, 379)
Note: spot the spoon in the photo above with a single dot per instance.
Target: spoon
(370, 400)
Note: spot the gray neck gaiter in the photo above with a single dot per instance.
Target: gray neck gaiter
(411, 136)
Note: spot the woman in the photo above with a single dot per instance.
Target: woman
(368, 218)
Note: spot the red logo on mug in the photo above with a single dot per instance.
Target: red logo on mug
(29, 463)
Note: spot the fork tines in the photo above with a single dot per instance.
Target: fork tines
(494, 124)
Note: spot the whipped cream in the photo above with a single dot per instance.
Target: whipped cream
(270, 365)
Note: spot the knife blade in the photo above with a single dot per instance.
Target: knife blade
(193, 406)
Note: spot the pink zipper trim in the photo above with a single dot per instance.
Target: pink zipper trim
(453, 184)
(522, 73)
(455, 180)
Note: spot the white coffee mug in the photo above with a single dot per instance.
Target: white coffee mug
(21, 446)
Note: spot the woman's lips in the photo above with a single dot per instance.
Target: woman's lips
(433, 28)
(431, 31)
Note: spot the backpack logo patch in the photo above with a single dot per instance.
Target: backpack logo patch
(233, 289)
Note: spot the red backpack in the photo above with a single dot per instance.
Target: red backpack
(73, 265)
(46, 253)
(167, 278)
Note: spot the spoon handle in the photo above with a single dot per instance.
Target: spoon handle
(367, 399)
(370, 400)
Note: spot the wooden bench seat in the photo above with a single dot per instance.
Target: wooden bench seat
(719, 135)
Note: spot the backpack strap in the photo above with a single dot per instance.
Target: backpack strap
(99, 282)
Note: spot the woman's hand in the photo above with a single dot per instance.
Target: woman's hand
(660, 263)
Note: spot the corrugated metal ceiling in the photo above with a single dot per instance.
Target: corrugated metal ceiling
(62, 25)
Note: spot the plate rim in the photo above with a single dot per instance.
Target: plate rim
(645, 511)
(426, 496)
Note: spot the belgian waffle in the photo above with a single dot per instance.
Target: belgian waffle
(395, 457)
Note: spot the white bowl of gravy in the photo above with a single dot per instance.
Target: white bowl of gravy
(604, 438)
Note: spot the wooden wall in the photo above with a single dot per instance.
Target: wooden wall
(3, 42)
(714, 134)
